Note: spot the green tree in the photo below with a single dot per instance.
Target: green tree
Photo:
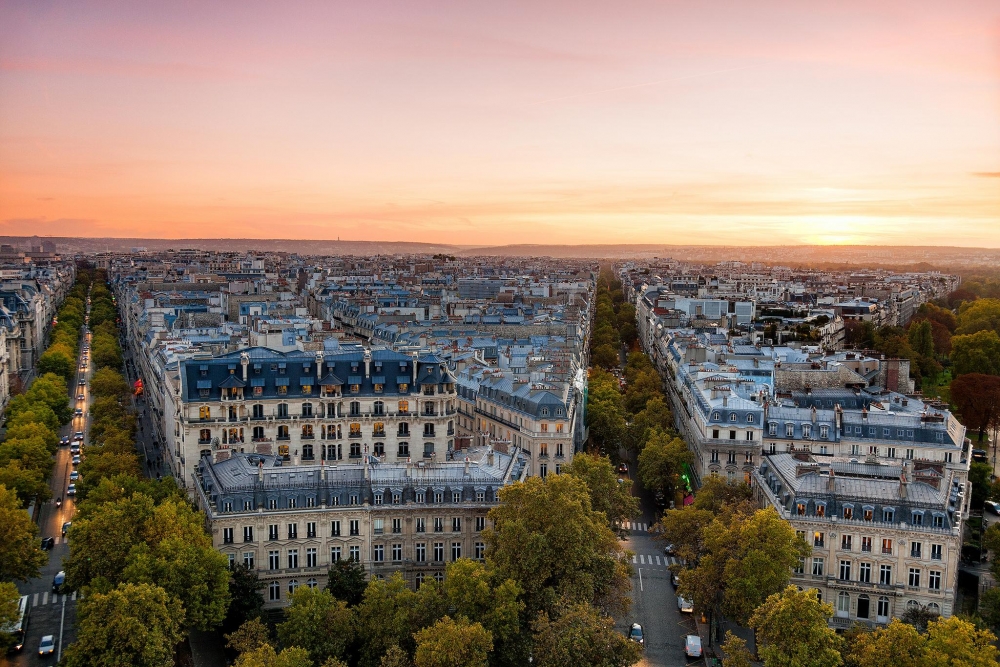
(317, 622)
(580, 635)
(661, 462)
(989, 607)
(24, 430)
(53, 391)
(976, 353)
(450, 643)
(954, 642)
(548, 539)
(792, 629)
(245, 600)
(29, 484)
(130, 625)
(921, 338)
(896, 644)
(58, 360)
(606, 494)
(474, 591)
(23, 410)
(979, 480)
(979, 315)
(347, 581)
(605, 411)
(31, 453)
(20, 557)
(107, 382)
(685, 530)
(385, 618)
(100, 465)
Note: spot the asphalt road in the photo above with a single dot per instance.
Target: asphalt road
(654, 604)
(49, 613)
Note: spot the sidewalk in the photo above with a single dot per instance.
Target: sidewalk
(713, 654)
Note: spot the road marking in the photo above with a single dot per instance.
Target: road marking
(657, 560)
(62, 622)
(45, 598)
(635, 559)
(74, 596)
(640, 580)
(34, 600)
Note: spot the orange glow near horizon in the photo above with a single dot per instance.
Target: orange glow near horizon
(737, 123)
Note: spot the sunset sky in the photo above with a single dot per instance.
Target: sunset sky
(745, 122)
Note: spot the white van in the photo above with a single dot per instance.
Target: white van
(692, 646)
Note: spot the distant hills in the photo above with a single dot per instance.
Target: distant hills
(926, 257)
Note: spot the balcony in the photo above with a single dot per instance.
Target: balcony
(283, 438)
(204, 441)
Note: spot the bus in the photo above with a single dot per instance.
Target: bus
(20, 627)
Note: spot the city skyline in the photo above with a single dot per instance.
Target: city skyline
(558, 123)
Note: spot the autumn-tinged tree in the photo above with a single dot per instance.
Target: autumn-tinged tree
(29, 484)
(9, 612)
(475, 591)
(606, 494)
(895, 644)
(20, 557)
(450, 643)
(317, 622)
(955, 642)
(549, 540)
(792, 629)
(250, 636)
(133, 624)
(746, 558)
(977, 397)
(387, 616)
(395, 657)
(736, 652)
(580, 635)
(716, 493)
(266, 656)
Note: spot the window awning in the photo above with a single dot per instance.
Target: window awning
(306, 382)
(256, 382)
(354, 379)
(378, 379)
(281, 382)
(204, 384)
(402, 379)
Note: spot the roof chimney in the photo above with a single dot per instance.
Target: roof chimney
(831, 482)
(725, 400)
(466, 465)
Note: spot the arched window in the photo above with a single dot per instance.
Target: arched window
(715, 416)
(311, 582)
(750, 418)
(732, 416)
(292, 585)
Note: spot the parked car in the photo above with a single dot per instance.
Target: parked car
(635, 634)
(71, 491)
(675, 579)
(992, 506)
(66, 527)
(47, 645)
(58, 581)
(685, 606)
(48, 543)
(669, 549)
(692, 646)
(979, 455)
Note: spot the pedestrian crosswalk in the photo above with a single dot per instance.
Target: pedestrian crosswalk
(663, 561)
(635, 525)
(54, 598)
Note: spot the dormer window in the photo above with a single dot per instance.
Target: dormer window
(824, 431)
(715, 416)
(545, 412)
(750, 419)
(806, 430)
(772, 428)
(732, 416)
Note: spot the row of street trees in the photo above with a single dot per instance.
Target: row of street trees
(638, 417)
(138, 550)
(33, 420)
